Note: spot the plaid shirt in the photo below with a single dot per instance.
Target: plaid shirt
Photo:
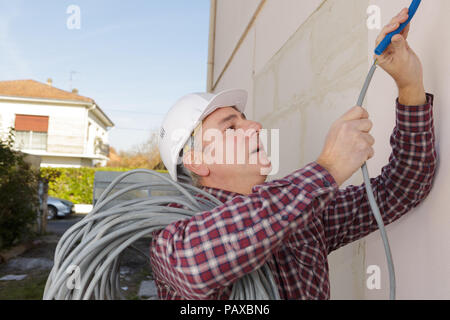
(292, 224)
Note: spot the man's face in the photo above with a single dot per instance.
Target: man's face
(231, 146)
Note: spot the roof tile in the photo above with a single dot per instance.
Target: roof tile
(35, 89)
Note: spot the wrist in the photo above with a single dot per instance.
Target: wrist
(328, 167)
(413, 95)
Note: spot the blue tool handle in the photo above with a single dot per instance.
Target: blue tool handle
(387, 40)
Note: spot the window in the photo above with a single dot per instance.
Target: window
(88, 131)
(31, 132)
(30, 140)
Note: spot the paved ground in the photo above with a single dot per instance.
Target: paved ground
(59, 226)
(136, 278)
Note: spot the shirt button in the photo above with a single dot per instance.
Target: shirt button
(326, 183)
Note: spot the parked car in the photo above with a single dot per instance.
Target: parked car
(58, 208)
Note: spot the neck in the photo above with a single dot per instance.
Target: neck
(242, 186)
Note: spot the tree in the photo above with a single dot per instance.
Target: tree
(18, 194)
(145, 156)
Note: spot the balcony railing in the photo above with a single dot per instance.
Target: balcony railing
(101, 148)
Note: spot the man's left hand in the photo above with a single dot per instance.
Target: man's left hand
(402, 63)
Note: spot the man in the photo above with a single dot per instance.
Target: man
(292, 224)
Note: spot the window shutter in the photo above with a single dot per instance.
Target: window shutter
(31, 123)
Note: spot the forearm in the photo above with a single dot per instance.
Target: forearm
(402, 185)
(409, 175)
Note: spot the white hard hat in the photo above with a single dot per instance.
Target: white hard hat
(186, 115)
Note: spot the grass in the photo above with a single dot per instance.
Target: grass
(134, 283)
(31, 288)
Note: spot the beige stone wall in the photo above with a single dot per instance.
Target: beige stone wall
(67, 131)
(304, 63)
(420, 241)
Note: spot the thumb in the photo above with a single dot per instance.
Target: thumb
(398, 42)
(355, 113)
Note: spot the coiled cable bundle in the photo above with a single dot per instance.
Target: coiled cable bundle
(93, 247)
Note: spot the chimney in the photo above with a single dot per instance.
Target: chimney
(50, 82)
(75, 91)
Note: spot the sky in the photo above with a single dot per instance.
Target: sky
(134, 58)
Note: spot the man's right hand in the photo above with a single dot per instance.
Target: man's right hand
(348, 145)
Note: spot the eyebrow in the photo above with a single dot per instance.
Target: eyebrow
(231, 117)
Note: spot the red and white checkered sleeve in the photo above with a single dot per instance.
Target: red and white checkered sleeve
(402, 185)
(210, 251)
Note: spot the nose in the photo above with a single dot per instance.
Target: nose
(254, 128)
(253, 125)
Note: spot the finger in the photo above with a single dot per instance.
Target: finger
(385, 31)
(370, 153)
(362, 125)
(400, 16)
(355, 113)
(393, 25)
(405, 31)
(370, 140)
(398, 42)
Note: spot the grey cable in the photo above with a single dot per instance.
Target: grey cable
(94, 246)
(371, 197)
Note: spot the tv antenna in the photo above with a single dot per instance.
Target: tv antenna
(71, 79)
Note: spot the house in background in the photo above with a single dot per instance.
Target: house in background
(64, 128)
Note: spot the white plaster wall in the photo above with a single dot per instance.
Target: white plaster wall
(67, 132)
(61, 162)
(420, 241)
(96, 130)
(66, 124)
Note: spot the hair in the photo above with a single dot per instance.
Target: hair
(196, 179)
(182, 171)
(187, 176)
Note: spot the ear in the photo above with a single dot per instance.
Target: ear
(193, 161)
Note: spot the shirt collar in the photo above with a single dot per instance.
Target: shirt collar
(222, 195)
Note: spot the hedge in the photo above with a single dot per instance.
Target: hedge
(74, 184)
